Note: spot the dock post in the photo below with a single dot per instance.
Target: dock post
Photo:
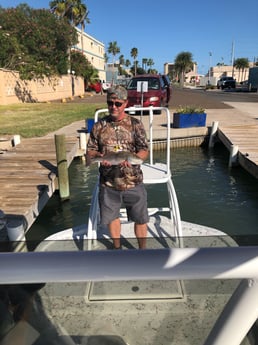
(16, 235)
(214, 129)
(233, 157)
(83, 141)
(62, 167)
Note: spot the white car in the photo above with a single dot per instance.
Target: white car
(105, 86)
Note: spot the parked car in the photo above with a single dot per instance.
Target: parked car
(105, 86)
(149, 90)
(226, 83)
(96, 87)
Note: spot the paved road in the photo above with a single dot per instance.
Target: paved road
(213, 99)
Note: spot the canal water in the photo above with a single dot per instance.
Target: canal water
(209, 193)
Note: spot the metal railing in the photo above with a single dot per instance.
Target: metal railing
(233, 324)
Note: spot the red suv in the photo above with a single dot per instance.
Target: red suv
(149, 90)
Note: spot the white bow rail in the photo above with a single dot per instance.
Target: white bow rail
(233, 324)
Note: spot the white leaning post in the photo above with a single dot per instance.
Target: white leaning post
(83, 141)
(238, 315)
(214, 130)
(233, 156)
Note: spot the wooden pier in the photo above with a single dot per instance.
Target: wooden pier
(28, 176)
(245, 139)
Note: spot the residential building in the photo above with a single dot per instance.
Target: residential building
(229, 71)
(215, 73)
(191, 76)
(94, 50)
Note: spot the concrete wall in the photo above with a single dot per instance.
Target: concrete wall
(14, 90)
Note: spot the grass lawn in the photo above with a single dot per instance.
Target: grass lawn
(38, 119)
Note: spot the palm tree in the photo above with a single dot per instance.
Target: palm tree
(121, 64)
(150, 63)
(69, 9)
(127, 64)
(114, 50)
(183, 64)
(144, 63)
(121, 60)
(106, 58)
(75, 12)
(241, 64)
(82, 20)
(134, 54)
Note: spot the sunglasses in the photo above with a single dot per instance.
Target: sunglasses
(117, 104)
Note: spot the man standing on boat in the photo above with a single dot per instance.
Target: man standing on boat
(121, 183)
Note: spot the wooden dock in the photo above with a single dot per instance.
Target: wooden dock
(245, 138)
(28, 176)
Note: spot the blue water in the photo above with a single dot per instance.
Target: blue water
(209, 193)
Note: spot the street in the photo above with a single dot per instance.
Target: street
(212, 99)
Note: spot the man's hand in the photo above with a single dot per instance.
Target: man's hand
(106, 163)
(92, 154)
(143, 154)
(125, 164)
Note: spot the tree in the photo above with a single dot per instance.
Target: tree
(150, 63)
(82, 67)
(121, 64)
(134, 54)
(127, 64)
(183, 64)
(121, 60)
(84, 19)
(37, 42)
(10, 52)
(144, 63)
(114, 50)
(74, 11)
(241, 64)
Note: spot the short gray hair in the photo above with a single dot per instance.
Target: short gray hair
(119, 91)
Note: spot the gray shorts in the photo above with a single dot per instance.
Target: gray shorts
(133, 199)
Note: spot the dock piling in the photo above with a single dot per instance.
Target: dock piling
(233, 156)
(214, 129)
(62, 167)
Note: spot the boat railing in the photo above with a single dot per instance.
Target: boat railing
(235, 321)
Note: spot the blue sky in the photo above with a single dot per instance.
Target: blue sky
(162, 29)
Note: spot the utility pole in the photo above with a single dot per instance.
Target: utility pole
(210, 54)
(233, 58)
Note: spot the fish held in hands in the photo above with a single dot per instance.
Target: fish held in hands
(116, 158)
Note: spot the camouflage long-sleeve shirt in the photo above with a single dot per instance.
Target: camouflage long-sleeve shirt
(125, 135)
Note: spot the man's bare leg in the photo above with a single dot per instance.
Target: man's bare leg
(141, 234)
(115, 231)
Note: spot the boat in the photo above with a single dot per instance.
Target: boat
(165, 222)
(191, 286)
